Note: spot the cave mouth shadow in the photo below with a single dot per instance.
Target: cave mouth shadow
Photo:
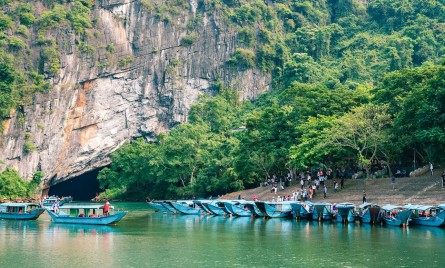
(82, 188)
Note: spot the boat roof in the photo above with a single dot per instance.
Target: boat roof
(346, 204)
(421, 207)
(83, 206)
(322, 204)
(390, 207)
(18, 204)
(366, 204)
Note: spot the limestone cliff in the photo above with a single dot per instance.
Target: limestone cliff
(144, 85)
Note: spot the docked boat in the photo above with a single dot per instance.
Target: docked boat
(254, 209)
(20, 211)
(184, 207)
(369, 213)
(50, 201)
(238, 209)
(346, 212)
(200, 204)
(157, 206)
(215, 208)
(86, 214)
(302, 210)
(322, 211)
(396, 215)
(427, 215)
(275, 209)
(168, 207)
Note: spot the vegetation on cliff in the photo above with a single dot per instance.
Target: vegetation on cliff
(357, 80)
(353, 83)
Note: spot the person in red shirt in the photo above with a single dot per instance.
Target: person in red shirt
(106, 208)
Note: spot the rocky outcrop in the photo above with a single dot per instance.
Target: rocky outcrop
(144, 85)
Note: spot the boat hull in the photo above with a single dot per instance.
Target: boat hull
(185, 209)
(402, 218)
(345, 214)
(321, 213)
(436, 221)
(272, 212)
(157, 206)
(111, 219)
(215, 210)
(371, 216)
(237, 210)
(299, 211)
(33, 215)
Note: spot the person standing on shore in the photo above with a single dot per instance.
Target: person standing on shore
(393, 180)
(443, 179)
(431, 168)
(325, 191)
(364, 196)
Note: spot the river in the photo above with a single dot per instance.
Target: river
(148, 239)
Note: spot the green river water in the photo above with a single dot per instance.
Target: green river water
(148, 239)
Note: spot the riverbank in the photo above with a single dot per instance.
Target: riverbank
(424, 189)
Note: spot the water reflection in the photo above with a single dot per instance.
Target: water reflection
(144, 238)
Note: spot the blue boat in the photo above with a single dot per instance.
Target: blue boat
(427, 215)
(200, 204)
(185, 207)
(254, 209)
(238, 209)
(157, 206)
(275, 209)
(215, 208)
(86, 214)
(369, 213)
(20, 211)
(346, 212)
(396, 215)
(322, 211)
(169, 207)
(302, 210)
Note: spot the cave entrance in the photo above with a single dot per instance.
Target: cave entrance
(81, 188)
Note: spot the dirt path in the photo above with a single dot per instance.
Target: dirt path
(424, 189)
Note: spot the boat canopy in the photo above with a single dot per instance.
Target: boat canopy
(19, 204)
(365, 205)
(84, 207)
(345, 205)
(391, 207)
(421, 207)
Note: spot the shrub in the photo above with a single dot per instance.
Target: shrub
(189, 39)
(244, 58)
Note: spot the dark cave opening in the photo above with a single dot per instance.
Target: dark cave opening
(81, 188)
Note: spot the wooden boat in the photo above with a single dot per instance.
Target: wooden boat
(185, 207)
(302, 210)
(275, 209)
(169, 207)
(346, 212)
(215, 208)
(20, 211)
(237, 209)
(200, 204)
(157, 206)
(86, 214)
(427, 215)
(254, 209)
(322, 211)
(369, 213)
(396, 215)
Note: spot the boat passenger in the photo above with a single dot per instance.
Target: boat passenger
(106, 208)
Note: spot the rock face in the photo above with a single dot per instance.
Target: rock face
(144, 85)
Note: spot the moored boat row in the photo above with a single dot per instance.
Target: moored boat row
(320, 211)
